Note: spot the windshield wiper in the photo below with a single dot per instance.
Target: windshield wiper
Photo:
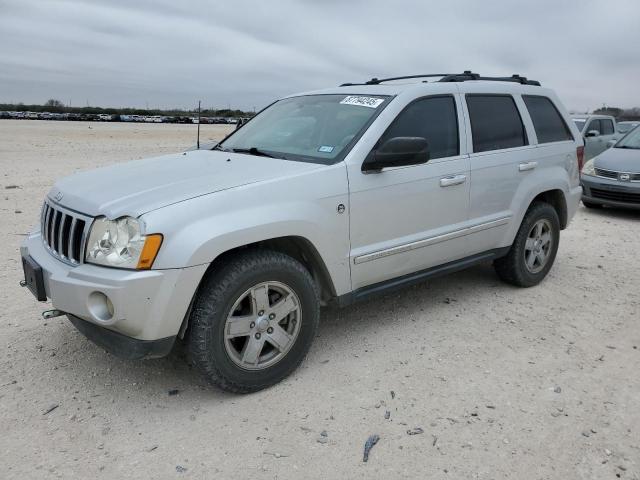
(253, 151)
(626, 146)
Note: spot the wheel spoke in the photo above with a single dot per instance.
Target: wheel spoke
(283, 308)
(239, 326)
(528, 245)
(260, 298)
(531, 259)
(279, 338)
(545, 238)
(538, 229)
(252, 350)
(541, 258)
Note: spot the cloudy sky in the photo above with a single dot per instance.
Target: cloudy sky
(167, 53)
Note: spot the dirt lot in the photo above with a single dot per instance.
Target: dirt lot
(505, 383)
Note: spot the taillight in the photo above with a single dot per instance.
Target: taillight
(580, 155)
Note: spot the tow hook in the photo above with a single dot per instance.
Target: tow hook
(23, 283)
(47, 314)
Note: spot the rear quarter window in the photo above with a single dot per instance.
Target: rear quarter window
(547, 121)
(495, 122)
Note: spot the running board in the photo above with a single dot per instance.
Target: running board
(394, 284)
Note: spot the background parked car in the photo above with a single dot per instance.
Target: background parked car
(613, 177)
(598, 131)
(626, 127)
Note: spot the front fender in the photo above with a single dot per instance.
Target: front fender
(197, 231)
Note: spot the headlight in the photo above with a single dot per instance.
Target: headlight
(589, 168)
(119, 243)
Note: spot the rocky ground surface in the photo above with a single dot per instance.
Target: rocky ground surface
(461, 377)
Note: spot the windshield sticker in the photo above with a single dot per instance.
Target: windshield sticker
(370, 102)
(325, 149)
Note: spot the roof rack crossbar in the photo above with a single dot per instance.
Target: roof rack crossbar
(377, 81)
(452, 77)
(468, 75)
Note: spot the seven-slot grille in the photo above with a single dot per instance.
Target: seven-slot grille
(633, 177)
(64, 233)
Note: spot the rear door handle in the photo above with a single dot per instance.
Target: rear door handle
(454, 180)
(523, 167)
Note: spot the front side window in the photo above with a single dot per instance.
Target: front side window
(594, 125)
(607, 127)
(433, 118)
(312, 128)
(495, 122)
(547, 121)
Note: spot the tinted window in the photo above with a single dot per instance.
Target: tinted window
(549, 125)
(607, 127)
(594, 125)
(433, 118)
(495, 122)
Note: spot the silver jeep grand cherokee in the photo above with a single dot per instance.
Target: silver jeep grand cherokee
(329, 196)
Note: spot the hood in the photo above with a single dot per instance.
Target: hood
(619, 160)
(137, 187)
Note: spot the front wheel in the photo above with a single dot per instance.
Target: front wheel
(534, 249)
(253, 321)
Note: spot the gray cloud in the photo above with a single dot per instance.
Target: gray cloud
(247, 53)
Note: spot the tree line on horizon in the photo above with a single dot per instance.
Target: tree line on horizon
(56, 106)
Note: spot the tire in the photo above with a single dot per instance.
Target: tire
(513, 267)
(223, 346)
(591, 205)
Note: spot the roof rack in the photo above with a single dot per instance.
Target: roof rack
(452, 77)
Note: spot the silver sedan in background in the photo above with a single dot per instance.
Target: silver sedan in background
(613, 177)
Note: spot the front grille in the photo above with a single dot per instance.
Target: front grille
(615, 195)
(633, 177)
(64, 233)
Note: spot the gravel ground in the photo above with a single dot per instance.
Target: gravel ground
(503, 382)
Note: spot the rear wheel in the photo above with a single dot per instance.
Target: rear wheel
(253, 321)
(534, 249)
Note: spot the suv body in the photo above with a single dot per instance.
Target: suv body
(496, 178)
(599, 131)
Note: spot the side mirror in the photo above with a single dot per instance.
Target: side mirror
(397, 152)
(592, 133)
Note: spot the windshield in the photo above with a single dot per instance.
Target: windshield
(630, 140)
(626, 127)
(314, 128)
(579, 124)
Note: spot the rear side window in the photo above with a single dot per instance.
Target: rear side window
(547, 121)
(433, 118)
(495, 122)
(607, 127)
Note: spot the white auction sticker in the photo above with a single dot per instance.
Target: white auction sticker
(371, 102)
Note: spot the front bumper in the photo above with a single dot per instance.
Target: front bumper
(148, 305)
(604, 191)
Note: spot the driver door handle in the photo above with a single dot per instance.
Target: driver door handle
(523, 167)
(454, 180)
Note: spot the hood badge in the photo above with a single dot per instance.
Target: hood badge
(624, 177)
(58, 196)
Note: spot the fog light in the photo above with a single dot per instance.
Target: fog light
(100, 306)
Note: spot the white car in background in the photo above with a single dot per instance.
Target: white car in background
(626, 127)
(599, 132)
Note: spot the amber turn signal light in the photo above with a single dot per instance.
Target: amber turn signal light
(149, 251)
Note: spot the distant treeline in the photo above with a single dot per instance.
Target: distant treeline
(620, 114)
(55, 106)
